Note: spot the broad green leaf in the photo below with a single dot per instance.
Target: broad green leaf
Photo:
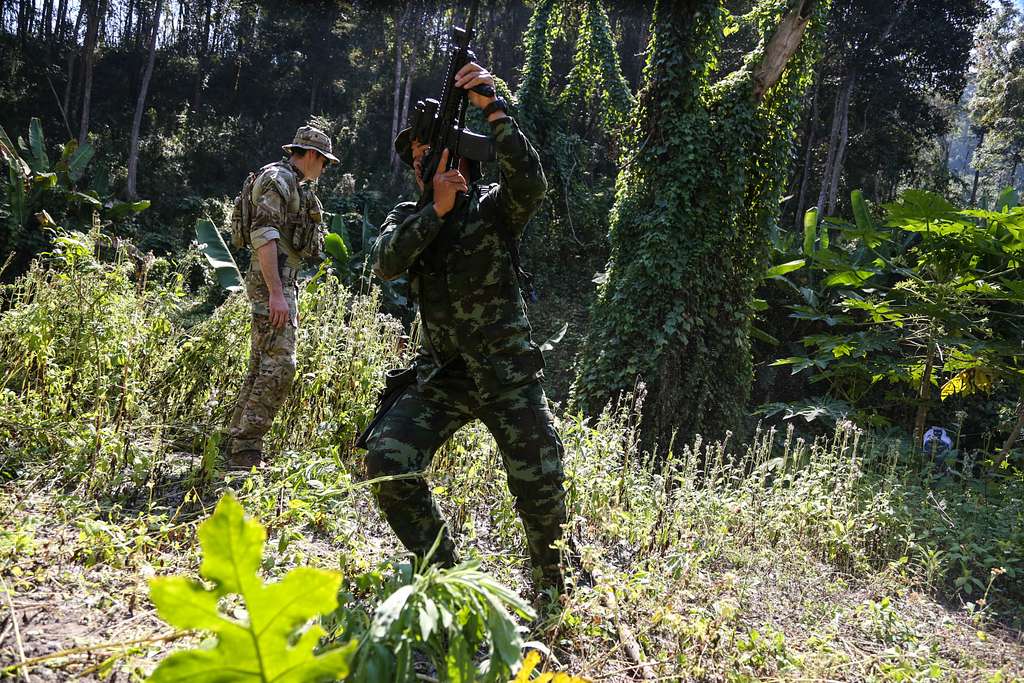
(783, 268)
(87, 198)
(799, 363)
(389, 611)
(10, 153)
(1008, 199)
(810, 231)
(16, 195)
(39, 162)
(337, 227)
(255, 648)
(920, 207)
(46, 180)
(758, 333)
(121, 210)
(78, 160)
(864, 228)
(860, 210)
(216, 251)
(334, 245)
(968, 382)
(849, 278)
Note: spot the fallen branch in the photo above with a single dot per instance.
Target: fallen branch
(85, 649)
(629, 642)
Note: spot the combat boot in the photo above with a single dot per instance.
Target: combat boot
(245, 460)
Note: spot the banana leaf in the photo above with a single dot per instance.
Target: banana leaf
(121, 210)
(9, 152)
(39, 162)
(16, 196)
(334, 245)
(77, 158)
(216, 251)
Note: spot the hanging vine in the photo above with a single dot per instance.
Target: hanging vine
(574, 120)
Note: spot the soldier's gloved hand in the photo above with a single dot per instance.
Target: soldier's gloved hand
(279, 313)
(447, 186)
(472, 75)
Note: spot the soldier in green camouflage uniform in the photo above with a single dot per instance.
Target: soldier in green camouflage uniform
(286, 229)
(478, 359)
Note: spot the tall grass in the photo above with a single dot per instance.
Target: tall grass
(104, 383)
(107, 386)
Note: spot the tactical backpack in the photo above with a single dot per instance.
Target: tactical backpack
(241, 214)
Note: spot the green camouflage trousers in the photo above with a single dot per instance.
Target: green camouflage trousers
(424, 417)
(271, 367)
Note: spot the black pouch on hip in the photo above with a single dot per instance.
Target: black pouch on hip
(395, 383)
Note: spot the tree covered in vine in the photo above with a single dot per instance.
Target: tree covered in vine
(703, 170)
(574, 118)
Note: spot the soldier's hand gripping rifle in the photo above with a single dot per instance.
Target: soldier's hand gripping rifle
(441, 124)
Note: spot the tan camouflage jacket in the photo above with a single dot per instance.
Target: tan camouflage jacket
(285, 208)
(461, 271)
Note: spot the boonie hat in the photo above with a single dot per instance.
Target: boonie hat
(308, 137)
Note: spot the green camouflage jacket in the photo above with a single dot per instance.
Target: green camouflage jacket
(461, 272)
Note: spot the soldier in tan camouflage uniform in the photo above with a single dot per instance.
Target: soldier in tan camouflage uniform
(286, 229)
(478, 360)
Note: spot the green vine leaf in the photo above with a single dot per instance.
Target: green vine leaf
(257, 646)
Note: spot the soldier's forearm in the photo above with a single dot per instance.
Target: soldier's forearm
(402, 240)
(267, 255)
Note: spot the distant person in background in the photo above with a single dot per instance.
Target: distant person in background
(279, 216)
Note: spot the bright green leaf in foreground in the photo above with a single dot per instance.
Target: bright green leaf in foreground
(783, 268)
(256, 646)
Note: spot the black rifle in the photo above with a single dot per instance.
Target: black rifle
(441, 124)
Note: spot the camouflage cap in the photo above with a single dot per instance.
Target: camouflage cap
(308, 137)
(403, 146)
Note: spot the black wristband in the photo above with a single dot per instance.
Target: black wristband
(498, 104)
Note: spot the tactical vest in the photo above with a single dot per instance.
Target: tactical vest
(302, 234)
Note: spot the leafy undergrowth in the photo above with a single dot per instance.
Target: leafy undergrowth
(836, 560)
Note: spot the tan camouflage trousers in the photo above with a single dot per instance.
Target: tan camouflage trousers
(271, 369)
(424, 417)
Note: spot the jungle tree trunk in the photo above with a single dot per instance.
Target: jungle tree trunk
(840, 128)
(96, 10)
(204, 51)
(140, 104)
(977, 174)
(844, 139)
(72, 54)
(703, 175)
(1014, 433)
(409, 71)
(812, 135)
(45, 30)
(396, 109)
(128, 16)
(62, 16)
